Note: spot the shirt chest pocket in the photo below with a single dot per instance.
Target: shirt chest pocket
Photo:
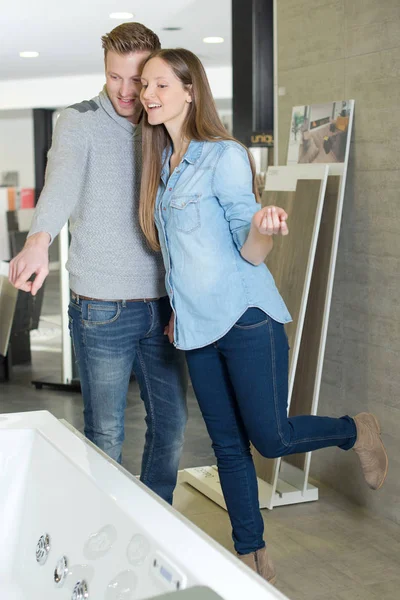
(185, 212)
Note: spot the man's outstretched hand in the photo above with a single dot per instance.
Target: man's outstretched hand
(33, 259)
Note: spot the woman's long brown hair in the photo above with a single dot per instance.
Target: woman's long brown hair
(202, 123)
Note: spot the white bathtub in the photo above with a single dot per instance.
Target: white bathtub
(108, 536)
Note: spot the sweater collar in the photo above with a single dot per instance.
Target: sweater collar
(106, 104)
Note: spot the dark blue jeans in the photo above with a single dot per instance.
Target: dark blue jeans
(112, 339)
(241, 383)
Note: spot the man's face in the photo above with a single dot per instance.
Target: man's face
(123, 82)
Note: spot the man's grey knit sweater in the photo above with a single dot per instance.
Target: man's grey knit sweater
(93, 179)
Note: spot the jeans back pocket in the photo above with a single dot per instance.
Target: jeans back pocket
(252, 318)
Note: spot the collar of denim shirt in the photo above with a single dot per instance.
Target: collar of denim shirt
(191, 155)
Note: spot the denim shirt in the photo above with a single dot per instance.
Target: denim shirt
(203, 214)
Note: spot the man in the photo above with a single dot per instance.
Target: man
(119, 309)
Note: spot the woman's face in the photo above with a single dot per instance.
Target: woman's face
(163, 95)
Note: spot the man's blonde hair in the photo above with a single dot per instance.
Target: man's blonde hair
(130, 37)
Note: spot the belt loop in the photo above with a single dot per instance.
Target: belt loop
(123, 303)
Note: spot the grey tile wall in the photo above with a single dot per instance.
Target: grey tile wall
(331, 51)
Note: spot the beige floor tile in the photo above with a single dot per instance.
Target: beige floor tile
(387, 589)
(325, 536)
(358, 593)
(368, 566)
(216, 525)
(351, 593)
(309, 581)
(189, 501)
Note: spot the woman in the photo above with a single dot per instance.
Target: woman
(198, 204)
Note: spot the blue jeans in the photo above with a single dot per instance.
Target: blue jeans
(111, 340)
(241, 384)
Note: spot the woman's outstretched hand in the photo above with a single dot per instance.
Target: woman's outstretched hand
(271, 220)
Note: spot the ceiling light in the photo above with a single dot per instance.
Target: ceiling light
(213, 40)
(29, 54)
(121, 15)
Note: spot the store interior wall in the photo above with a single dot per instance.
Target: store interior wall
(357, 56)
(16, 145)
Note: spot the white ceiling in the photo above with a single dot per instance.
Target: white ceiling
(67, 34)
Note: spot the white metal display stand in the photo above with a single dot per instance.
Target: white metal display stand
(342, 171)
(281, 492)
(66, 351)
(67, 381)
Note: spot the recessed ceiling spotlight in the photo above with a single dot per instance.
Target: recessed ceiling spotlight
(213, 40)
(172, 28)
(121, 15)
(29, 54)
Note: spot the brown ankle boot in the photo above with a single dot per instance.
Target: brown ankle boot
(370, 450)
(260, 562)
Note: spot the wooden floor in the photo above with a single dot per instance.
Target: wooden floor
(325, 550)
